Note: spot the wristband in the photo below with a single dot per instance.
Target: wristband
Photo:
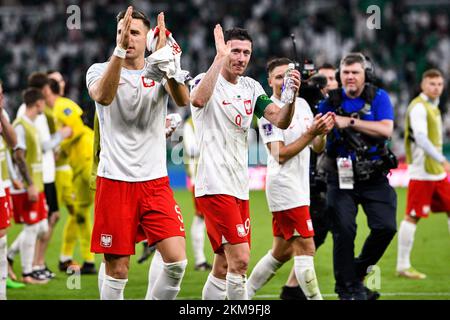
(120, 52)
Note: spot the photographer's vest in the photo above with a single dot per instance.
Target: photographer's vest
(434, 124)
(372, 144)
(33, 154)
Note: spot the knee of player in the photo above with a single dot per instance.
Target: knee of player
(118, 271)
(239, 264)
(304, 246)
(176, 269)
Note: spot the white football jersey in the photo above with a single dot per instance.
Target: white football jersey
(221, 129)
(287, 185)
(132, 127)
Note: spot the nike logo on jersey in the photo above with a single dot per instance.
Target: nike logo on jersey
(226, 103)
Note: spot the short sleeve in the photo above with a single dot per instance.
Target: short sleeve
(269, 132)
(94, 73)
(418, 119)
(21, 140)
(194, 82)
(383, 108)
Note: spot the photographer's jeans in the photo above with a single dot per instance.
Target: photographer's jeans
(379, 202)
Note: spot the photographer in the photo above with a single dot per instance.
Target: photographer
(356, 163)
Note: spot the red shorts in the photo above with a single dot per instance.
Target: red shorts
(227, 220)
(197, 210)
(426, 196)
(5, 212)
(129, 212)
(292, 222)
(29, 212)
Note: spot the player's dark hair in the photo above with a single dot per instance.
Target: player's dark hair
(237, 34)
(51, 71)
(31, 95)
(135, 15)
(276, 62)
(37, 80)
(327, 65)
(54, 86)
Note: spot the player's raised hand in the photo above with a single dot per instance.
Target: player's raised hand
(162, 38)
(124, 36)
(223, 49)
(322, 124)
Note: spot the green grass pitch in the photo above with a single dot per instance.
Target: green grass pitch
(431, 255)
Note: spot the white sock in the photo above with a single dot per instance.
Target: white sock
(3, 267)
(156, 267)
(15, 246)
(27, 246)
(306, 276)
(168, 283)
(236, 286)
(112, 289)
(101, 277)
(198, 239)
(214, 289)
(405, 244)
(264, 270)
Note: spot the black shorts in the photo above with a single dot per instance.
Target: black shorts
(51, 197)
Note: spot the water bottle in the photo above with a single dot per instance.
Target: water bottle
(287, 92)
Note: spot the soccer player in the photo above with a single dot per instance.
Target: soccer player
(65, 191)
(223, 103)
(287, 188)
(429, 188)
(133, 196)
(78, 148)
(30, 204)
(190, 154)
(50, 140)
(321, 222)
(10, 138)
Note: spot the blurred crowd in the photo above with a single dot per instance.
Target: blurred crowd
(413, 36)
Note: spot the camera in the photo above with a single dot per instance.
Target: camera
(364, 167)
(312, 84)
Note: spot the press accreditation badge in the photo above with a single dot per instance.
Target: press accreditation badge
(345, 171)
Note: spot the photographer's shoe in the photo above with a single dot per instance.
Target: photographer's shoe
(372, 295)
